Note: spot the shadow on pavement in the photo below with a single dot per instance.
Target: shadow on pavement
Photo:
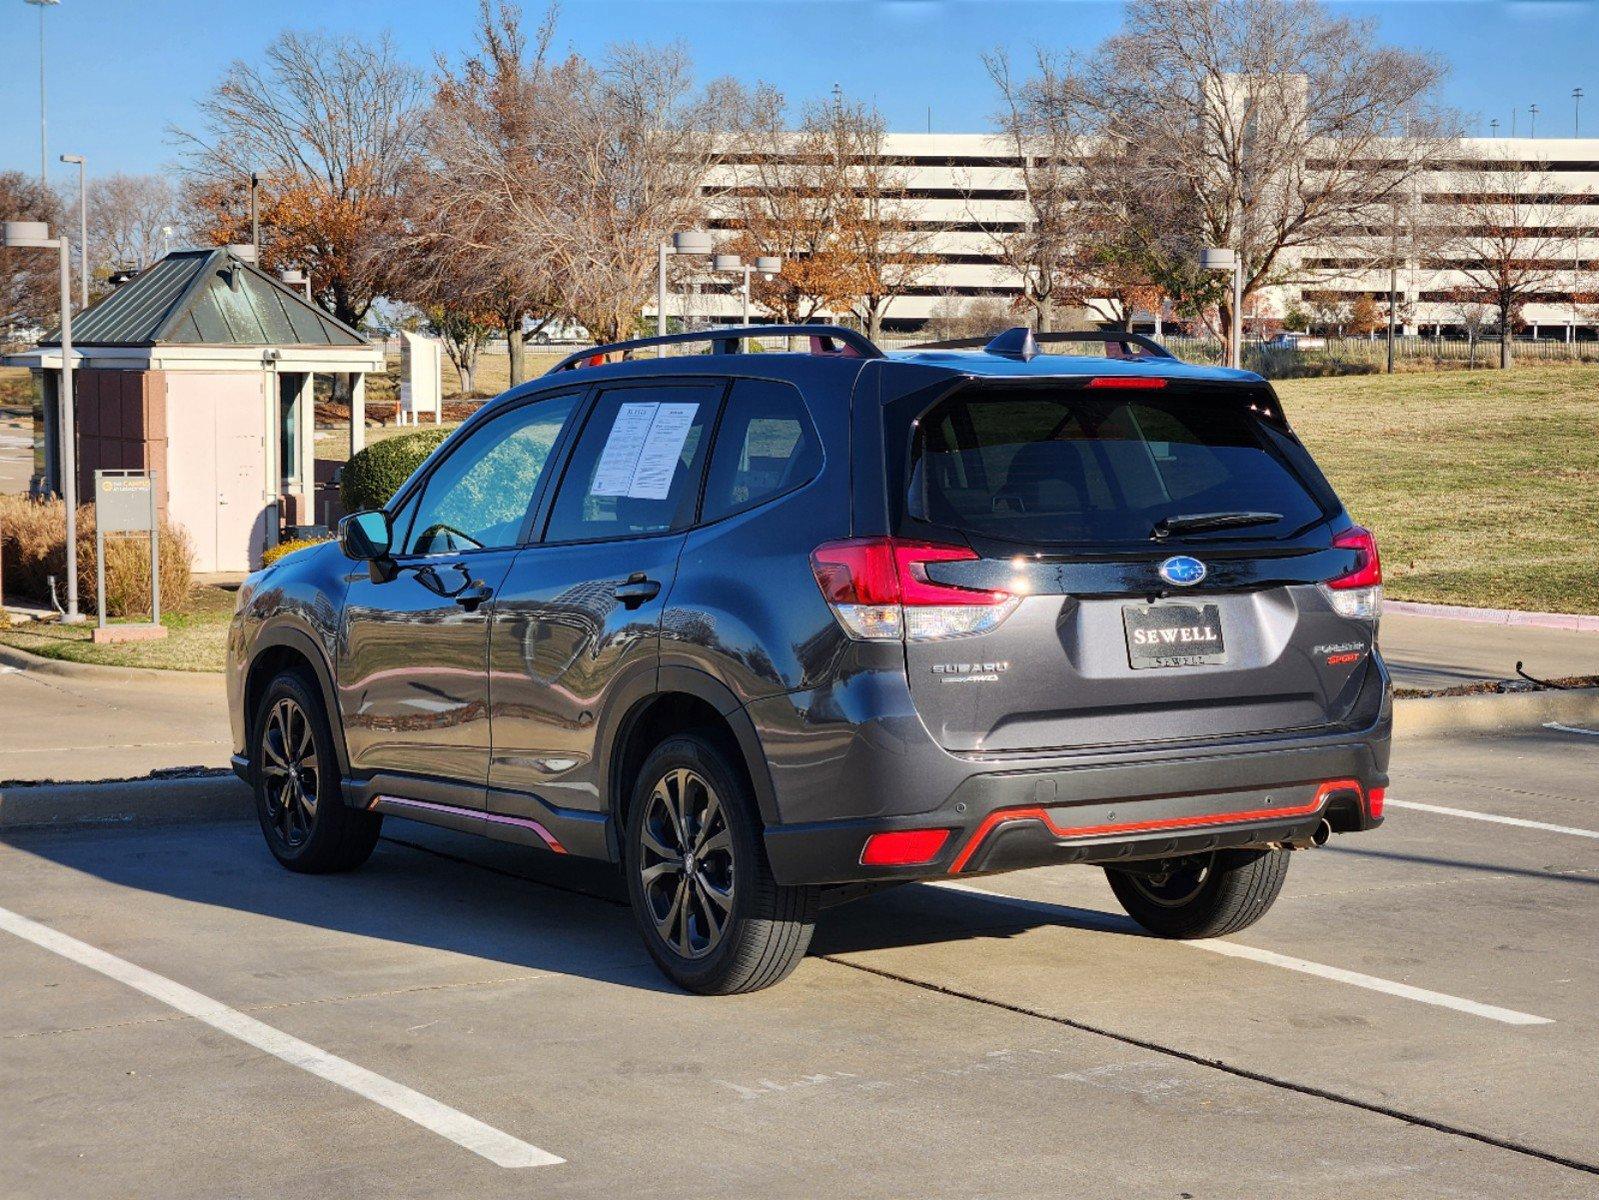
(495, 901)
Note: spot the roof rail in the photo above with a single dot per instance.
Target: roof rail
(824, 339)
(1022, 343)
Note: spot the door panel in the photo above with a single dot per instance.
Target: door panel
(413, 676)
(563, 643)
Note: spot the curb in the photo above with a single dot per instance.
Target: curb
(1431, 716)
(217, 797)
(1577, 622)
(24, 660)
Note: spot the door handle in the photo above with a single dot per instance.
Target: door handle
(636, 591)
(470, 597)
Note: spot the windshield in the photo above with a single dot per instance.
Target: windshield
(1070, 466)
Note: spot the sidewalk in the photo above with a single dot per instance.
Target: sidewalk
(69, 722)
(1436, 652)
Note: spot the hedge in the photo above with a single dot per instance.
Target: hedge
(373, 476)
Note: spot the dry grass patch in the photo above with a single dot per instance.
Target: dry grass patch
(196, 640)
(1481, 485)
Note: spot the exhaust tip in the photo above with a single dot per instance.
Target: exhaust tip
(1323, 832)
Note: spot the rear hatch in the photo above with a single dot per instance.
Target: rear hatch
(1164, 545)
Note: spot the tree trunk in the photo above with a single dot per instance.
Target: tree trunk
(516, 351)
(1045, 309)
(1506, 354)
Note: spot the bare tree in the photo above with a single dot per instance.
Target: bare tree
(29, 280)
(489, 173)
(786, 194)
(128, 219)
(333, 124)
(884, 242)
(1509, 242)
(1282, 125)
(631, 145)
(1467, 307)
(1041, 126)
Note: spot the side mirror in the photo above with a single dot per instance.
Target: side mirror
(366, 536)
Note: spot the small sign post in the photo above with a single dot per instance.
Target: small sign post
(125, 502)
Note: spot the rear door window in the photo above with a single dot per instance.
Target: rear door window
(1070, 467)
(765, 446)
(636, 468)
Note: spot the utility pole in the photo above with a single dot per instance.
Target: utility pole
(1576, 112)
(44, 170)
(1532, 123)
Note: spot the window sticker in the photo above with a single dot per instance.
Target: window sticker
(642, 451)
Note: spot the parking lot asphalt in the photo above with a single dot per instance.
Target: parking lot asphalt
(1416, 1017)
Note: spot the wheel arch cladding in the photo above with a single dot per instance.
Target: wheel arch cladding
(280, 650)
(667, 713)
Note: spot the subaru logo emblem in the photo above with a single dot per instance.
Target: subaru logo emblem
(1182, 571)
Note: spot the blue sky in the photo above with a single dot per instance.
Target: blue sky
(121, 71)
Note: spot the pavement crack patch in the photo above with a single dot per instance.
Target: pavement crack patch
(1227, 1068)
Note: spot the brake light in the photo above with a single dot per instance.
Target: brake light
(1357, 592)
(1374, 799)
(1126, 381)
(879, 590)
(903, 847)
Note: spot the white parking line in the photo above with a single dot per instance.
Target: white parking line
(499, 1148)
(1372, 983)
(1494, 817)
(1570, 728)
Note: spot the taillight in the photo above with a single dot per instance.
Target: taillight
(879, 590)
(1357, 592)
(1374, 799)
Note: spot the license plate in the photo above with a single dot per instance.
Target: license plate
(1173, 635)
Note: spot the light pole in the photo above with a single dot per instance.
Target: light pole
(255, 215)
(44, 157)
(765, 264)
(1576, 112)
(1220, 258)
(35, 235)
(1532, 120)
(691, 242)
(83, 229)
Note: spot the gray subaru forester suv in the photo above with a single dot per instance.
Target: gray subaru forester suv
(772, 630)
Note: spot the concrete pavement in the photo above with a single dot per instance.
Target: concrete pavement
(62, 721)
(1433, 653)
(936, 1043)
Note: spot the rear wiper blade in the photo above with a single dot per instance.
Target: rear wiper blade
(1192, 522)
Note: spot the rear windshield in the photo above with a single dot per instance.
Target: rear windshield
(1075, 467)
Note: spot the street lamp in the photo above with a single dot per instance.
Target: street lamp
(1220, 258)
(1576, 112)
(1532, 123)
(83, 228)
(41, 5)
(692, 242)
(35, 235)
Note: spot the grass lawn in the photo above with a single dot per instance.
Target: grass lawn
(196, 640)
(1482, 486)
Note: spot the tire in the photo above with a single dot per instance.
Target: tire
(1205, 896)
(307, 825)
(765, 927)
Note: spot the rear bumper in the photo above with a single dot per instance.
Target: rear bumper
(1105, 813)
